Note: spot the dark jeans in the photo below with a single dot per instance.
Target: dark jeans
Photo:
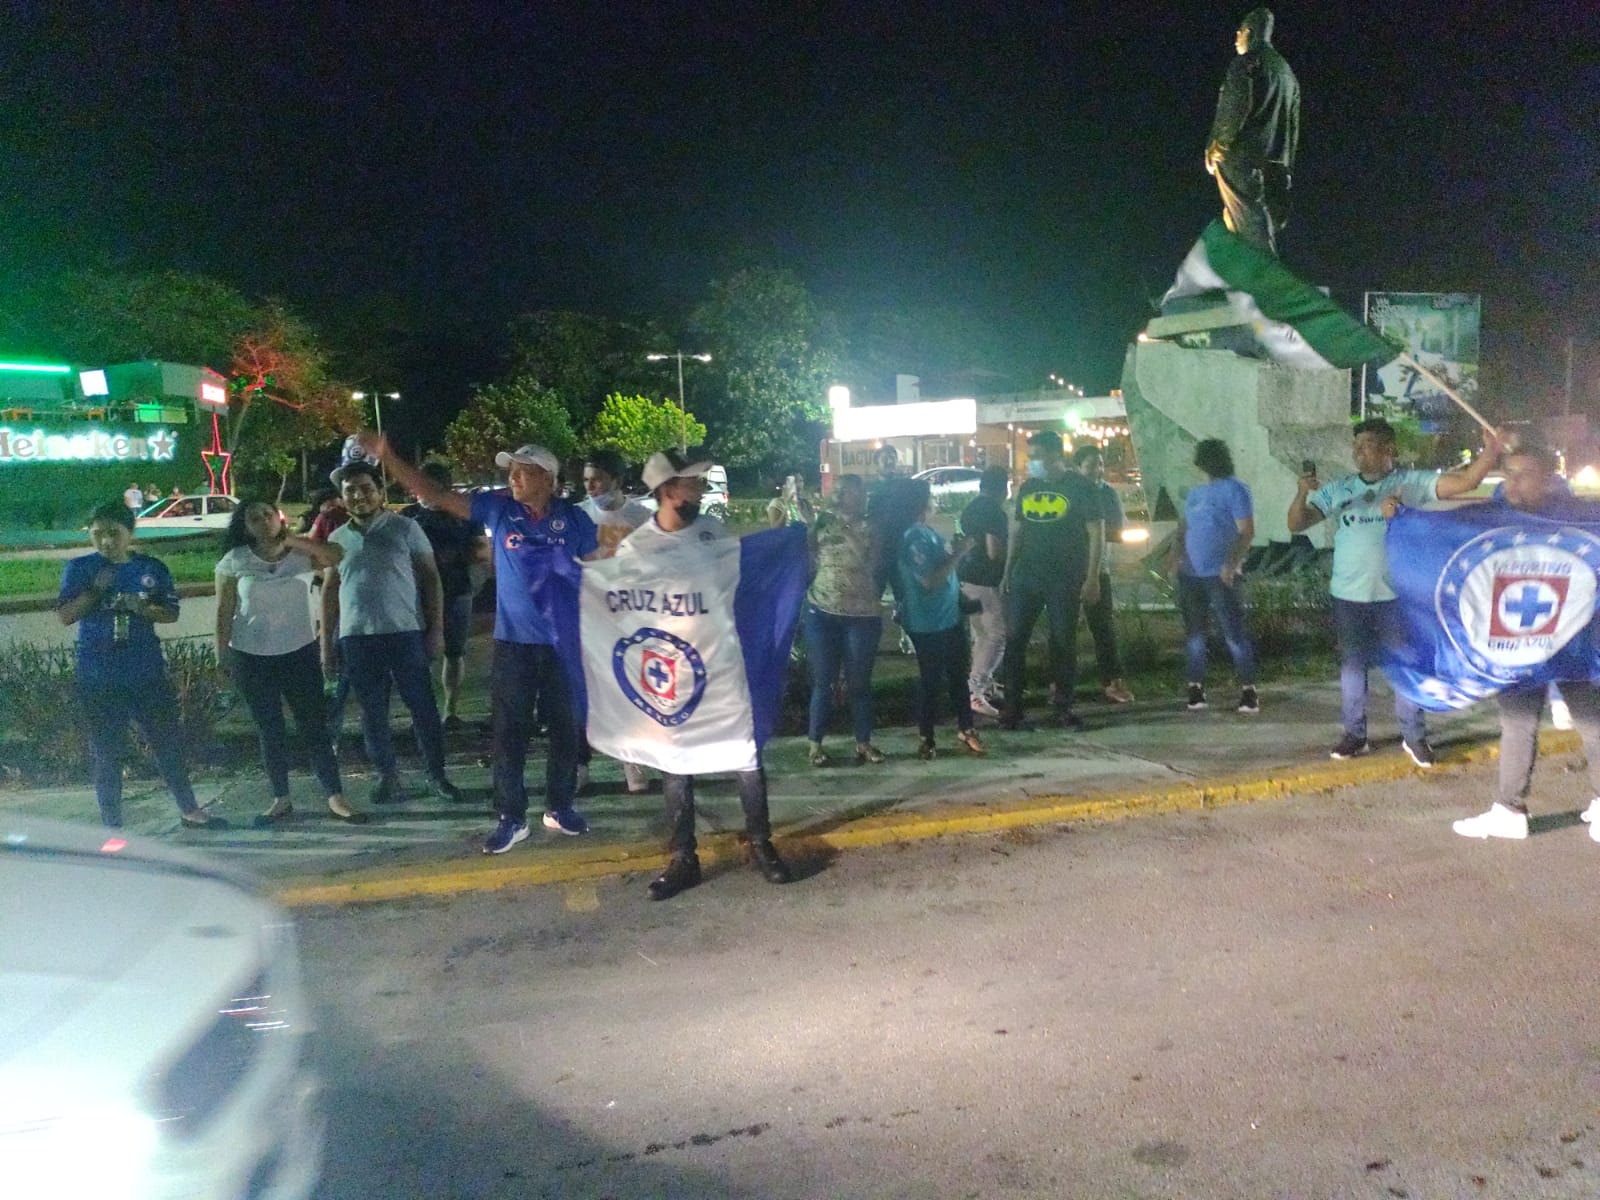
(268, 682)
(1519, 736)
(679, 791)
(1364, 629)
(942, 659)
(374, 661)
(528, 682)
(1199, 596)
(151, 704)
(830, 638)
(1060, 602)
(1101, 620)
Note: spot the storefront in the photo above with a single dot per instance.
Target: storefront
(72, 437)
(902, 439)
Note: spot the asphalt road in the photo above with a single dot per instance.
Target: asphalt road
(1328, 996)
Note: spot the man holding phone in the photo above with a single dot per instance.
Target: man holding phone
(1364, 606)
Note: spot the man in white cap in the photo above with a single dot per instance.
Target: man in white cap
(535, 536)
(678, 484)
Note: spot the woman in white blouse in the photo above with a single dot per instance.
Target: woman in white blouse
(266, 641)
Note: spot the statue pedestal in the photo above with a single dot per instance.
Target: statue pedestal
(1272, 418)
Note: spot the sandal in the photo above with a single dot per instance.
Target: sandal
(281, 810)
(866, 752)
(816, 755)
(927, 751)
(349, 816)
(969, 739)
(201, 819)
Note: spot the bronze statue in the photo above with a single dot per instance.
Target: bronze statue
(1255, 135)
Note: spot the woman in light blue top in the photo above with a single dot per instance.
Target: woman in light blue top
(928, 594)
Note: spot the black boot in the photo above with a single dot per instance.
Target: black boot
(682, 873)
(772, 868)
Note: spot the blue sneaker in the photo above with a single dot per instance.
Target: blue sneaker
(506, 834)
(565, 820)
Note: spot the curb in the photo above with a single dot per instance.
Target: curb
(487, 874)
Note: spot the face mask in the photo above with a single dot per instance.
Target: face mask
(688, 511)
(610, 502)
(1035, 468)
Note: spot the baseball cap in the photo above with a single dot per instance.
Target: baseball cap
(356, 466)
(530, 455)
(666, 465)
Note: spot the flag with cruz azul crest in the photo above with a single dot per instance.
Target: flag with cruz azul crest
(685, 645)
(1493, 598)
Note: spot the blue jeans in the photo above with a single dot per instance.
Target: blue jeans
(1364, 629)
(830, 637)
(526, 680)
(1199, 596)
(151, 704)
(372, 662)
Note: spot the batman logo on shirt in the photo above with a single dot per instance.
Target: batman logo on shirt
(1045, 506)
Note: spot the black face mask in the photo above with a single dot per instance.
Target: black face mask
(687, 511)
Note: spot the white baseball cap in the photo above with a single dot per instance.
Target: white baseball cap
(531, 455)
(665, 465)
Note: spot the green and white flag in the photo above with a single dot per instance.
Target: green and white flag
(1296, 324)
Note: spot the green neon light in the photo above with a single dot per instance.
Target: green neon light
(35, 368)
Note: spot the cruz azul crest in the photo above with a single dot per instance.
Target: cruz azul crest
(662, 675)
(1510, 599)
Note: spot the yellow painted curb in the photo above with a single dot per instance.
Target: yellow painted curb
(487, 874)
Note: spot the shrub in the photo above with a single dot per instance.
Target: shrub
(42, 737)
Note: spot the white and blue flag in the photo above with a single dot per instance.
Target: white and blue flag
(685, 649)
(1493, 598)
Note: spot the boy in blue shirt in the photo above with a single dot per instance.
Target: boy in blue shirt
(116, 598)
(1215, 535)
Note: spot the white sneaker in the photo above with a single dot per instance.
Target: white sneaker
(1498, 822)
(1591, 815)
(582, 784)
(638, 782)
(1560, 714)
(982, 707)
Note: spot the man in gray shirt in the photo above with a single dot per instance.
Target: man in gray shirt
(384, 602)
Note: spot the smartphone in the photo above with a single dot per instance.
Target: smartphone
(1308, 467)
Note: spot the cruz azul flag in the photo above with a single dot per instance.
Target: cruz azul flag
(686, 646)
(1296, 324)
(1492, 598)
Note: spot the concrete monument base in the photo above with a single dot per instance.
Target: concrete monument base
(1273, 418)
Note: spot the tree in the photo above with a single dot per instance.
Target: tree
(282, 397)
(584, 358)
(774, 353)
(504, 416)
(637, 426)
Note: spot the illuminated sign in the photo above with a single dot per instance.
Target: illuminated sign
(27, 368)
(94, 383)
(87, 445)
(926, 418)
(213, 395)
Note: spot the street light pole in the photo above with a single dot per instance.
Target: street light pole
(377, 399)
(683, 417)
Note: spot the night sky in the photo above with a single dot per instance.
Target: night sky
(1034, 167)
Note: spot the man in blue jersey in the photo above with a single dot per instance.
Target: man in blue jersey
(536, 538)
(1364, 609)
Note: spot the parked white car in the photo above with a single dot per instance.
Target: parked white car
(196, 511)
(944, 481)
(152, 1025)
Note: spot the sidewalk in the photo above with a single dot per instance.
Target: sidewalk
(1151, 756)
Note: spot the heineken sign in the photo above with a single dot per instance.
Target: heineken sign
(90, 445)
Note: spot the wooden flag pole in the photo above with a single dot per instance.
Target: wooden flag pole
(1447, 390)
